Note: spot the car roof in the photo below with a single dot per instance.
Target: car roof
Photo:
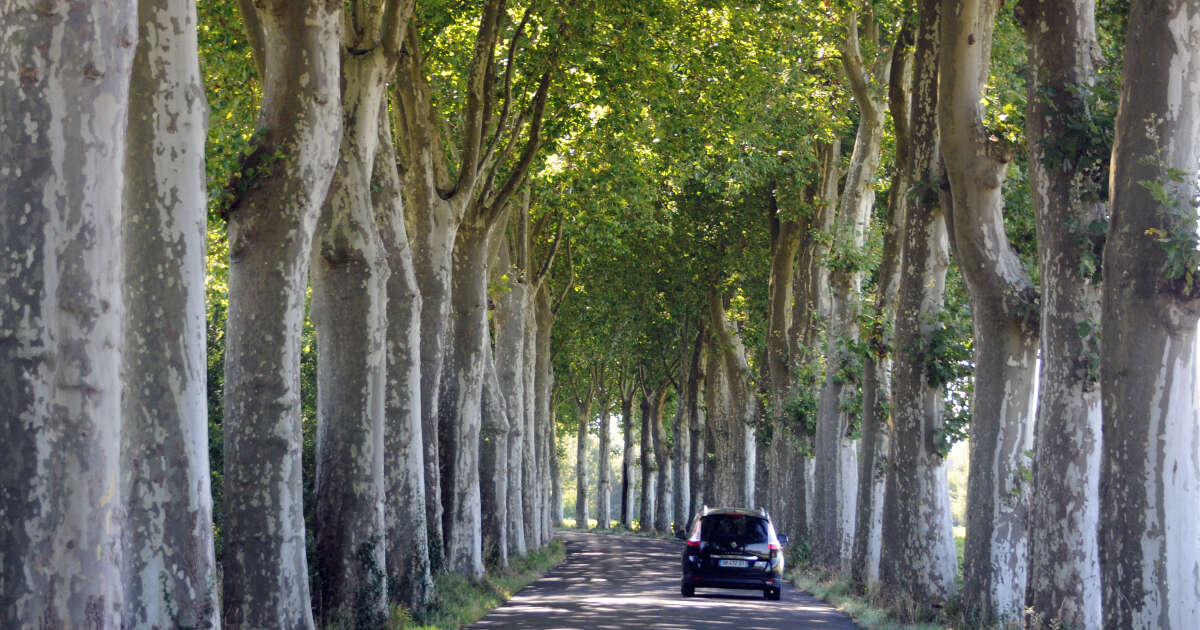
(732, 510)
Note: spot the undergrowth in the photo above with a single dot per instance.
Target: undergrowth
(460, 601)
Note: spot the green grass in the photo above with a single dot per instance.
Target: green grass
(460, 601)
(842, 595)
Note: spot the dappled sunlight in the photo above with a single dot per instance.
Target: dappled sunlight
(610, 582)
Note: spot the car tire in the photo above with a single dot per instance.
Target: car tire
(773, 594)
(687, 590)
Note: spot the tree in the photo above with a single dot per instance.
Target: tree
(63, 140)
(452, 217)
(1150, 467)
(170, 568)
(879, 333)
(627, 386)
(349, 295)
(410, 580)
(271, 220)
(1004, 308)
(729, 440)
(834, 496)
(1068, 156)
(510, 275)
(918, 561)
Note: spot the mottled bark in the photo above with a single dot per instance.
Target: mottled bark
(836, 470)
(877, 365)
(681, 451)
(627, 388)
(782, 457)
(583, 417)
(1150, 471)
(550, 486)
(170, 568)
(271, 225)
(604, 472)
(1064, 571)
(460, 401)
(646, 459)
(730, 410)
(410, 580)
(64, 94)
(509, 325)
(918, 562)
(349, 309)
(697, 425)
(1004, 308)
(435, 205)
(662, 460)
(494, 466)
(530, 462)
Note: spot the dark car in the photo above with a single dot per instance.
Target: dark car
(732, 548)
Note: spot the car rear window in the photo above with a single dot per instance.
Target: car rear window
(743, 528)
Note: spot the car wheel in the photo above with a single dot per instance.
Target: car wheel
(773, 594)
(687, 590)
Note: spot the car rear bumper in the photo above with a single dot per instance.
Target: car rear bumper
(755, 582)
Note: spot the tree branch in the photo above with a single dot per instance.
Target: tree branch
(517, 177)
(558, 302)
(506, 109)
(477, 101)
(856, 71)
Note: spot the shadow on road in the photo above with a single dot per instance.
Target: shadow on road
(612, 582)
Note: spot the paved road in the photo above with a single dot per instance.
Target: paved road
(611, 582)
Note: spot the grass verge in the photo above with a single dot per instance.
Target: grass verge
(460, 601)
(842, 595)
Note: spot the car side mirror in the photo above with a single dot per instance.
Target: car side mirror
(680, 534)
(783, 539)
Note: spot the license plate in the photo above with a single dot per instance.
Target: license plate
(741, 564)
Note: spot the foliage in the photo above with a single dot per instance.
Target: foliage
(942, 351)
(1178, 196)
(800, 407)
(461, 601)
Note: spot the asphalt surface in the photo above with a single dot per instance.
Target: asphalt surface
(611, 582)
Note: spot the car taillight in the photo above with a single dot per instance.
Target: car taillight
(774, 546)
(693, 543)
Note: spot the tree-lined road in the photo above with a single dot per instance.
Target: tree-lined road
(620, 582)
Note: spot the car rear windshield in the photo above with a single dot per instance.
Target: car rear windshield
(742, 528)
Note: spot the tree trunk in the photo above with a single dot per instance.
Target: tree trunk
(877, 365)
(782, 456)
(532, 473)
(584, 416)
(1064, 570)
(604, 473)
(433, 250)
(410, 579)
(1149, 531)
(63, 141)
(271, 228)
(1004, 308)
(494, 466)
(918, 562)
(460, 401)
(627, 487)
(731, 408)
(662, 461)
(550, 487)
(680, 481)
(349, 295)
(509, 323)
(170, 569)
(697, 426)
(836, 470)
(646, 450)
